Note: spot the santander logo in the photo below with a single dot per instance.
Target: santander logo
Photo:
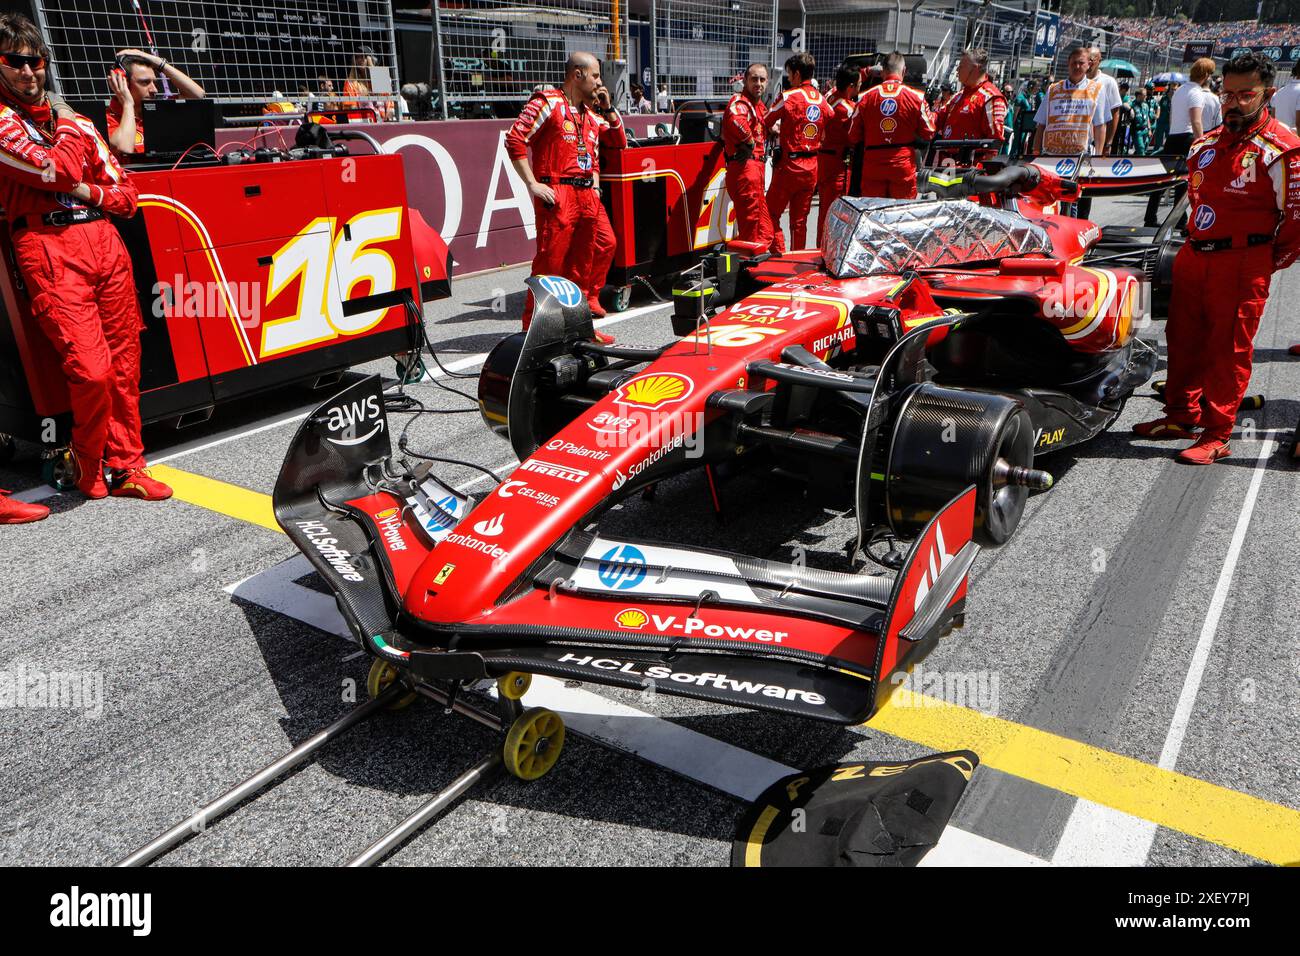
(491, 527)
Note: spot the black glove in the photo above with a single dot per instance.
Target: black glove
(745, 151)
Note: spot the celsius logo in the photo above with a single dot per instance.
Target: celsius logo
(1204, 217)
(73, 909)
(622, 568)
(492, 527)
(1205, 159)
(888, 106)
(1121, 167)
(520, 489)
(564, 291)
(354, 417)
(1065, 167)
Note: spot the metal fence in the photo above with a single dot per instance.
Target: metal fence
(496, 51)
(700, 45)
(240, 52)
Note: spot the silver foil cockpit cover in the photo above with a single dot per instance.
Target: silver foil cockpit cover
(890, 236)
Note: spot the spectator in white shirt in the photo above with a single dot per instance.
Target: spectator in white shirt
(1192, 106)
(1111, 101)
(1286, 101)
(662, 102)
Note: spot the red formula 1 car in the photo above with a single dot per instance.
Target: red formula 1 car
(909, 372)
(289, 266)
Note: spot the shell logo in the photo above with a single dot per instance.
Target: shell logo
(810, 131)
(654, 390)
(569, 127)
(631, 619)
(888, 125)
(388, 513)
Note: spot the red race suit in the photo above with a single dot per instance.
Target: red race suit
(978, 112)
(77, 273)
(1243, 224)
(889, 120)
(802, 116)
(832, 173)
(744, 145)
(563, 139)
(745, 154)
(113, 119)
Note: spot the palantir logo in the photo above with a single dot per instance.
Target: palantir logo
(1122, 167)
(564, 291)
(74, 909)
(622, 568)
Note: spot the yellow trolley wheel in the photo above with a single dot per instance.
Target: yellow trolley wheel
(533, 743)
(381, 675)
(514, 685)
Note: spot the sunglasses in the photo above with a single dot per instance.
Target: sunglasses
(16, 61)
(1227, 97)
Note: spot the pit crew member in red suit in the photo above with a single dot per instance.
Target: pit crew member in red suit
(608, 131)
(832, 173)
(58, 181)
(889, 120)
(561, 131)
(1243, 225)
(801, 114)
(979, 111)
(744, 149)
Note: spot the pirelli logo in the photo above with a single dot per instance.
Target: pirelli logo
(564, 473)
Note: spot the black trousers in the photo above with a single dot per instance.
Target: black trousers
(1177, 145)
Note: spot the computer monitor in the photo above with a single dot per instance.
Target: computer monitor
(173, 126)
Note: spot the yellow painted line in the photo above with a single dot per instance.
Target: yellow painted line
(251, 506)
(754, 845)
(1204, 810)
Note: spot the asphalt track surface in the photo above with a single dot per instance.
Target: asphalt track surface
(1139, 633)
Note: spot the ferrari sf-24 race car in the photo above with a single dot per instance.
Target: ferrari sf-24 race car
(910, 371)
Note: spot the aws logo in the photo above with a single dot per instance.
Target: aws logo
(355, 417)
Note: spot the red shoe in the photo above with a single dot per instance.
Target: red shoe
(604, 338)
(20, 512)
(1164, 429)
(597, 311)
(138, 483)
(1205, 452)
(88, 475)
